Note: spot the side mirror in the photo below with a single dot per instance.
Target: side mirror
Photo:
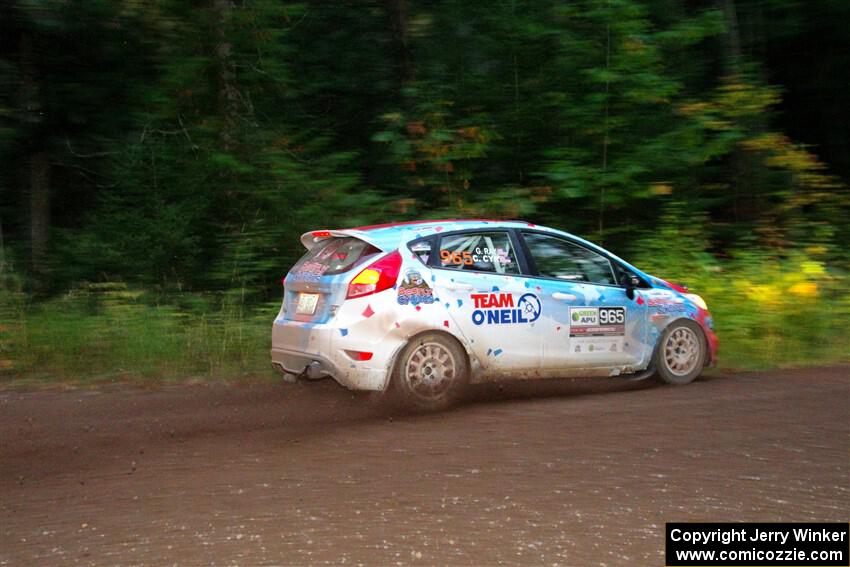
(632, 281)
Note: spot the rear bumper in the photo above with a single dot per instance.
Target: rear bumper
(297, 363)
(320, 350)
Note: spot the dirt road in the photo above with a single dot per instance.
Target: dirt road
(569, 473)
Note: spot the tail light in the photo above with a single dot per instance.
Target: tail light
(359, 355)
(376, 277)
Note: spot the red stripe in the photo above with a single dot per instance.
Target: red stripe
(427, 221)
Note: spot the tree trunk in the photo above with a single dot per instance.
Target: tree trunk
(404, 58)
(744, 169)
(39, 190)
(38, 174)
(732, 39)
(228, 94)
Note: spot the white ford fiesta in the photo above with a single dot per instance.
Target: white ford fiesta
(427, 307)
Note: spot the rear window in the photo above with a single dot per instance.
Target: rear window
(333, 256)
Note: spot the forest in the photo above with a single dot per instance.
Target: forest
(159, 160)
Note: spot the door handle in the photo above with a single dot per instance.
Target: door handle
(458, 286)
(564, 296)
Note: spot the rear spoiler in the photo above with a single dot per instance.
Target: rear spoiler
(312, 238)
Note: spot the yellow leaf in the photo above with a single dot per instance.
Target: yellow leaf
(804, 289)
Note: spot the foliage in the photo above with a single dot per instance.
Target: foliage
(770, 307)
(108, 332)
(178, 150)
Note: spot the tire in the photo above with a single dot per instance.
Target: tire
(431, 372)
(680, 354)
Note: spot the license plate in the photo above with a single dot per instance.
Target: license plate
(307, 303)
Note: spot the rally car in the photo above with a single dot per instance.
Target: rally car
(425, 308)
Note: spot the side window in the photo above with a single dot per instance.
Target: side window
(421, 249)
(559, 258)
(479, 251)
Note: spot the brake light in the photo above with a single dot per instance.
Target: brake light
(321, 234)
(376, 277)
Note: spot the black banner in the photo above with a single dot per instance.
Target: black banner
(758, 544)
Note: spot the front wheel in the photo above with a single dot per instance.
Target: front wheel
(432, 372)
(681, 352)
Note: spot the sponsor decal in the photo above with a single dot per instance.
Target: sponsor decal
(310, 271)
(597, 321)
(584, 316)
(662, 307)
(666, 304)
(597, 329)
(501, 309)
(413, 290)
(659, 294)
(670, 308)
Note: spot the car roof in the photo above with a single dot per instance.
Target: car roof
(426, 227)
(390, 235)
(426, 222)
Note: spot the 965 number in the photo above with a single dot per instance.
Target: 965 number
(458, 258)
(612, 315)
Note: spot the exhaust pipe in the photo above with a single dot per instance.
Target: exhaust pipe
(314, 371)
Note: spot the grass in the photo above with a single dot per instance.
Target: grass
(116, 335)
(767, 313)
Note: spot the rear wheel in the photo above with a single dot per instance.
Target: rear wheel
(432, 372)
(681, 352)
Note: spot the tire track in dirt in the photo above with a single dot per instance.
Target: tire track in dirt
(575, 472)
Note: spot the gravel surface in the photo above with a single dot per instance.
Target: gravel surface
(574, 472)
